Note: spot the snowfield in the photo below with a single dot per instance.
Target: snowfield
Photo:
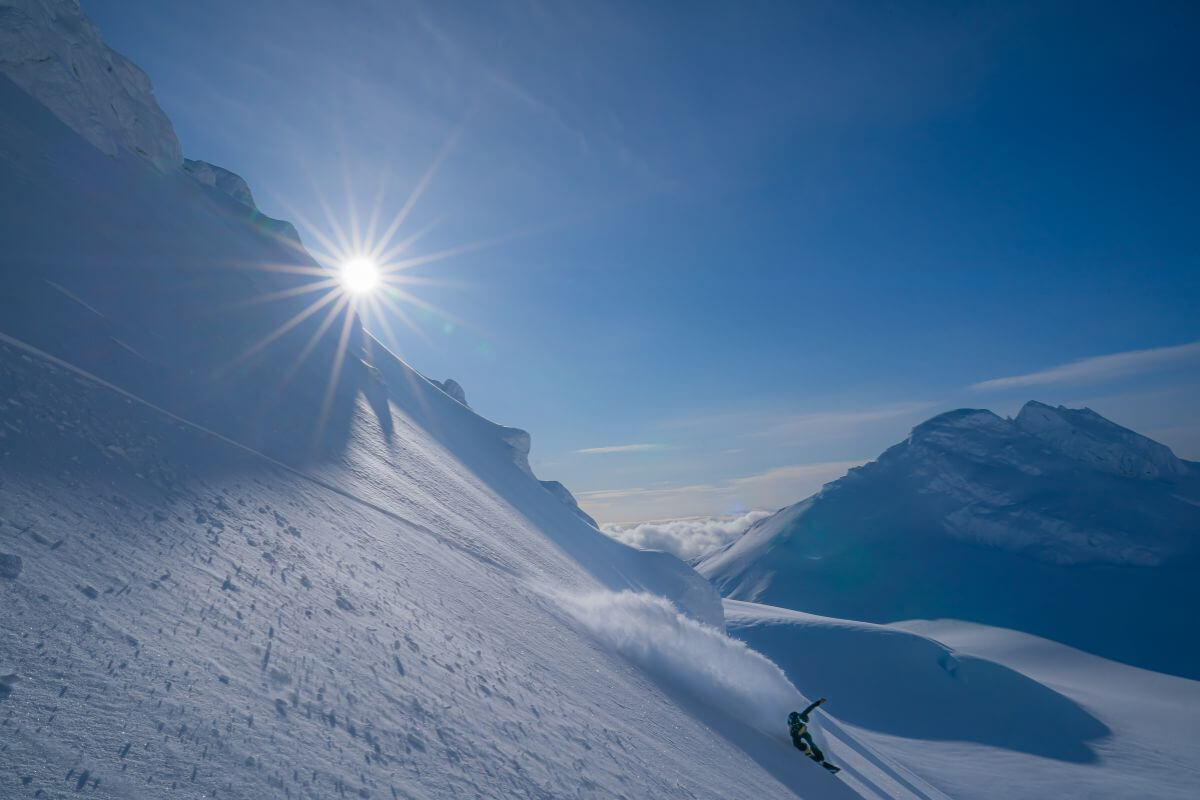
(982, 712)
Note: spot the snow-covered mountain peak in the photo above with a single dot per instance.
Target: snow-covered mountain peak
(52, 50)
(1041, 434)
(1089, 518)
(1087, 437)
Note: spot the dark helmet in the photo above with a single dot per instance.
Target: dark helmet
(794, 718)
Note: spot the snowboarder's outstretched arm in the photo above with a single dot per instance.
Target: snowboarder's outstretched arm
(804, 714)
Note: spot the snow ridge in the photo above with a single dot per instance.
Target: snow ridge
(452, 388)
(1085, 436)
(53, 51)
(222, 179)
(1016, 483)
(564, 495)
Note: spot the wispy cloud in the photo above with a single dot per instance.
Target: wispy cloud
(619, 448)
(773, 488)
(794, 472)
(798, 473)
(1097, 368)
(640, 491)
(803, 425)
(829, 423)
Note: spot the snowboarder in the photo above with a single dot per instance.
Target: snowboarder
(802, 739)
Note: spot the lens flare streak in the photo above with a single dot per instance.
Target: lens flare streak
(360, 275)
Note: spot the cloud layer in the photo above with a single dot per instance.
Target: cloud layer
(687, 538)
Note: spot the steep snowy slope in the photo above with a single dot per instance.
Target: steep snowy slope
(1057, 522)
(186, 616)
(199, 602)
(972, 709)
(183, 615)
(157, 284)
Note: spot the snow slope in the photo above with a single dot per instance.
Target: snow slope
(981, 712)
(190, 616)
(1057, 522)
(203, 599)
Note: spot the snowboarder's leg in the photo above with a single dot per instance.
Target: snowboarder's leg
(812, 751)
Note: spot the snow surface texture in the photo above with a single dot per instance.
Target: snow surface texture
(690, 537)
(53, 51)
(1058, 522)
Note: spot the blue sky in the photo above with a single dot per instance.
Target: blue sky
(731, 248)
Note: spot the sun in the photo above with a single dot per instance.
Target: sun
(359, 276)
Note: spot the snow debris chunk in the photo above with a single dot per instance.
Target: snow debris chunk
(10, 566)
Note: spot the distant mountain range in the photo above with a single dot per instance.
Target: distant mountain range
(1057, 522)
